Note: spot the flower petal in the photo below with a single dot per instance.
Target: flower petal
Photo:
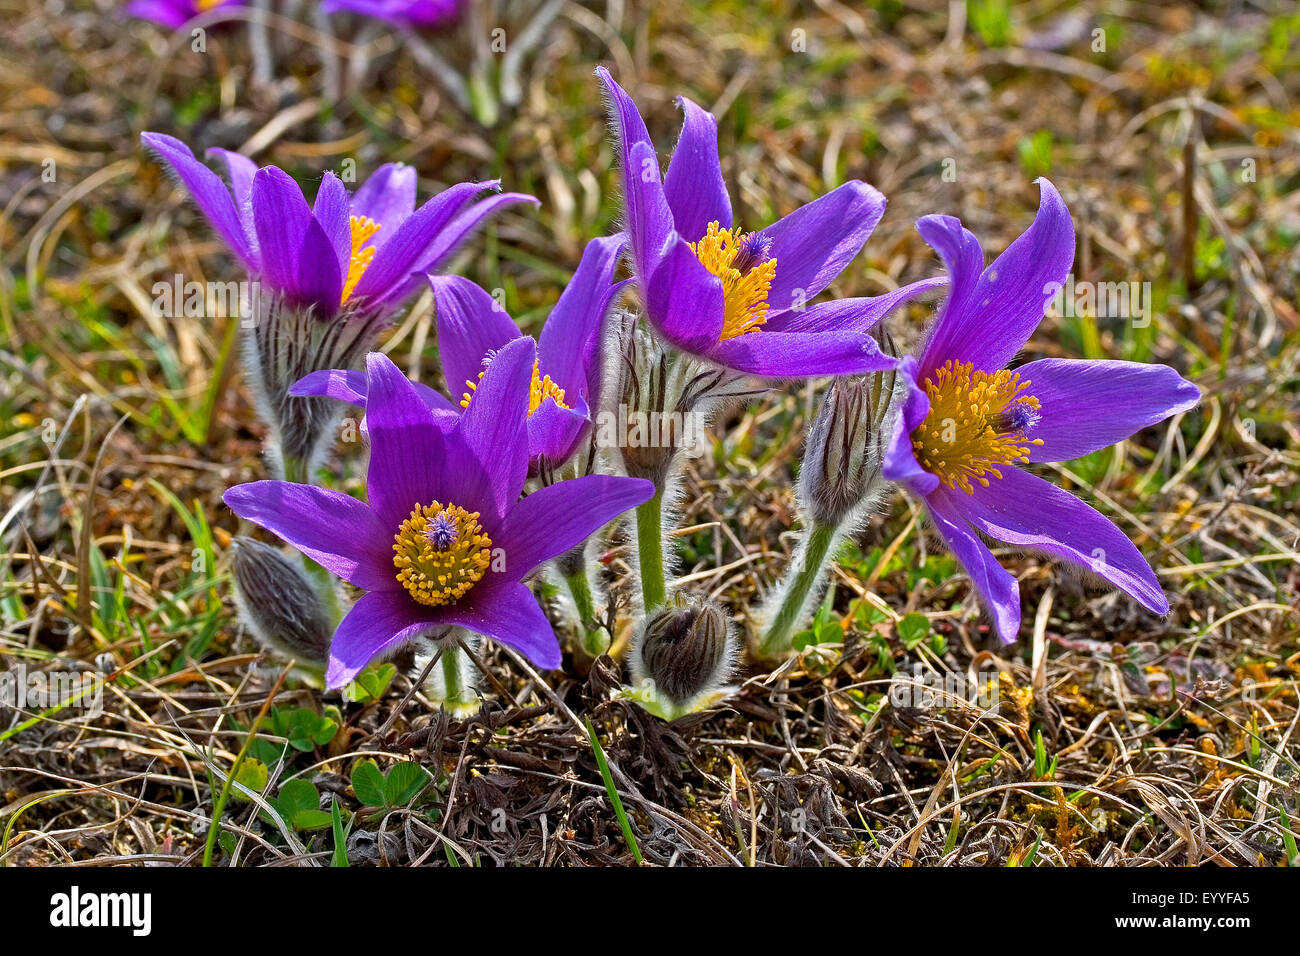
(1088, 405)
(388, 198)
(848, 315)
(471, 326)
(494, 425)
(801, 354)
(646, 214)
(331, 211)
(297, 257)
(348, 385)
(395, 260)
(464, 226)
(814, 243)
(310, 518)
(407, 446)
(628, 126)
(1024, 510)
(900, 462)
(696, 191)
(208, 191)
(241, 171)
(568, 348)
(558, 517)
(684, 300)
(378, 624)
(998, 589)
(508, 613)
(994, 321)
(554, 432)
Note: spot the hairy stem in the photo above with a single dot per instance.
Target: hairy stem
(802, 580)
(595, 639)
(650, 551)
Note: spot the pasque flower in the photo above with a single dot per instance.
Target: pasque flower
(174, 13)
(744, 299)
(444, 540)
(968, 424)
(330, 276)
(473, 328)
(407, 14)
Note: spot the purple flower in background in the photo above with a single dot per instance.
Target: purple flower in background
(472, 328)
(174, 13)
(367, 252)
(740, 299)
(968, 423)
(444, 540)
(407, 14)
(328, 277)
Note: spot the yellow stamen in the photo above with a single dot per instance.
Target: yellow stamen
(966, 434)
(744, 294)
(542, 389)
(437, 576)
(206, 5)
(362, 229)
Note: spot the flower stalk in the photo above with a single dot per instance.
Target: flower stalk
(650, 551)
(803, 582)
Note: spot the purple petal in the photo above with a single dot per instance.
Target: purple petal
(347, 385)
(208, 191)
(378, 624)
(297, 257)
(170, 15)
(509, 614)
(471, 326)
(1026, 511)
(407, 447)
(801, 354)
(571, 338)
(696, 191)
(331, 211)
(684, 300)
(1088, 405)
(554, 432)
(992, 322)
(241, 171)
(554, 519)
(628, 126)
(647, 217)
(494, 425)
(900, 462)
(814, 243)
(395, 260)
(310, 518)
(464, 226)
(387, 197)
(998, 589)
(848, 315)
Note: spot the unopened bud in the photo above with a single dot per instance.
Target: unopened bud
(682, 659)
(278, 603)
(841, 464)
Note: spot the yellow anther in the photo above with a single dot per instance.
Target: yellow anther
(362, 231)
(976, 424)
(744, 290)
(438, 559)
(541, 389)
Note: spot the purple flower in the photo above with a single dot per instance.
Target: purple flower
(174, 13)
(741, 299)
(407, 14)
(367, 252)
(472, 328)
(968, 423)
(444, 540)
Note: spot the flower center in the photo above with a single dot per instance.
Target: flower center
(542, 389)
(977, 423)
(440, 552)
(362, 230)
(746, 271)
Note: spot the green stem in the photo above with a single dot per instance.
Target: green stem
(809, 568)
(453, 686)
(595, 641)
(650, 551)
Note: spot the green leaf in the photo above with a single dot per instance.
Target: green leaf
(311, 820)
(368, 783)
(371, 683)
(913, 629)
(340, 855)
(404, 781)
(253, 775)
(297, 797)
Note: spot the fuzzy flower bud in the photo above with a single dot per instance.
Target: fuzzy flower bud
(846, 443)
(279, 605)
(682, 658)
